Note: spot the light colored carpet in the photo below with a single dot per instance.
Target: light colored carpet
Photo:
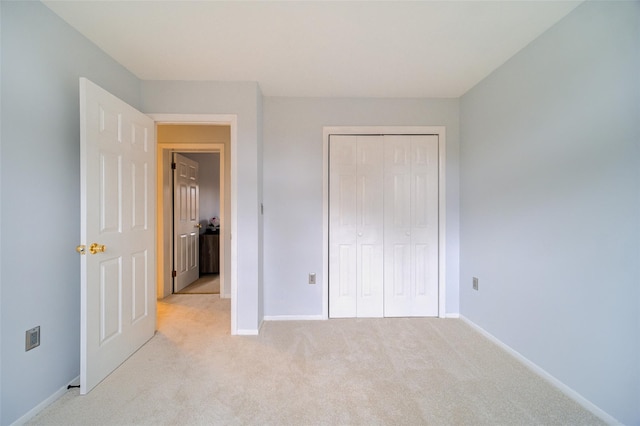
(336, 372)
(206, 284)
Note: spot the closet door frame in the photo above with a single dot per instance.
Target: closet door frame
(386, 130)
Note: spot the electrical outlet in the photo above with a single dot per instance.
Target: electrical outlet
(32, 338)
(475, 283)
(312, 278)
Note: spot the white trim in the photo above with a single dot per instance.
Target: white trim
(250, 331)
(452, 316)
(584, 402)
(440, 131)
(194, 118)
(44, 404)
(247, 332)
(294, 317)
(232, 121)
(442, 222)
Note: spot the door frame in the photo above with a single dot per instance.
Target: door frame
(230, 120)
(440, 131)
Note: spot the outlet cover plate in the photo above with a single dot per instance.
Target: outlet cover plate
(475, 283)
(32, 338)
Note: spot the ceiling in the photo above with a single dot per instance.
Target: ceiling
(316, 48)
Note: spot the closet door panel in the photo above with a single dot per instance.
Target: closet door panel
(424, 225)
(370, 219)
(397, 226)
(411, 226)
(355, 226)
(342, 227)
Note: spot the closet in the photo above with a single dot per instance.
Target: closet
(383, 226)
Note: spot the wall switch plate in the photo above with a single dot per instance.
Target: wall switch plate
(475, 283)
(32, 338)
(312, 278)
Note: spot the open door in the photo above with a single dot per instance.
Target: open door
(186, 218)
(118, 274)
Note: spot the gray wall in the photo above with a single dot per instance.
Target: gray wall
(42, 60)
(293, 188)
(242, 99)
(550, 162)
(0, 217)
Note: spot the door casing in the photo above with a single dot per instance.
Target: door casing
(386, 130)
(231, 120)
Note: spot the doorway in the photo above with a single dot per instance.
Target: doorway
(201, 143)
(197, 189)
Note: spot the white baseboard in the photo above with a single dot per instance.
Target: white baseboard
(247, 332)
(44, 404)
(294, 317)
(597, 411)
(250, 331)
(452, 315)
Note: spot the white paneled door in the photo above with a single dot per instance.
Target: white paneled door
(411, 226)
(355, 233)
(118, 286)
(383, 226)
(186, 217)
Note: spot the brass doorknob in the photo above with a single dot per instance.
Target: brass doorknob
(199, 225)
(97, 248)
(82, 249)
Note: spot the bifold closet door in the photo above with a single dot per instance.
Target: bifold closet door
(356, 226)
(411, 226)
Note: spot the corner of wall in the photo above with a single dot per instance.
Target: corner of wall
(584, 402)
(260, 160)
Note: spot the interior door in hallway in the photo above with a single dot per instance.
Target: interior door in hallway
(118, 274)
(411, 226)
(186, 226)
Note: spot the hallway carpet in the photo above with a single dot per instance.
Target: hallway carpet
(206, 284)
(337, 372)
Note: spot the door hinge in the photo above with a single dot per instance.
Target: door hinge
(174, 274)
(173, 166)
